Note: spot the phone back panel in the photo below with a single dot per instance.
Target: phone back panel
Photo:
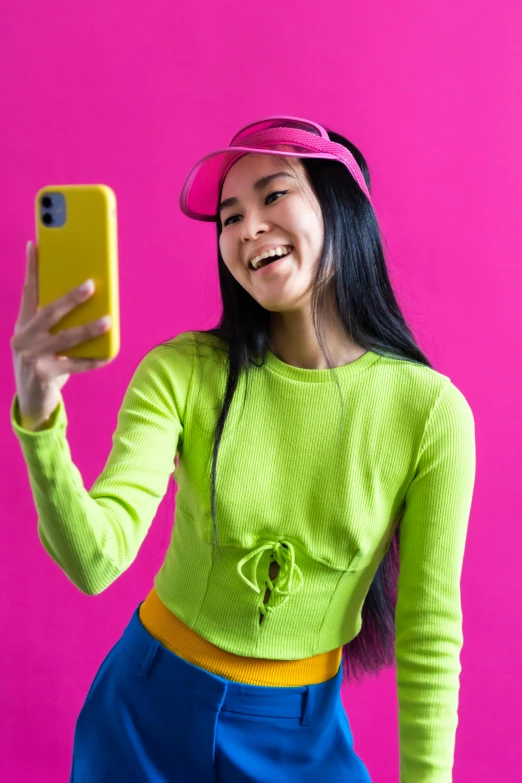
(82, 244)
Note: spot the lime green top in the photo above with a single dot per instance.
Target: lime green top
(294, 483)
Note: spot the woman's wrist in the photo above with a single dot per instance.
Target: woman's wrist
(34, 425)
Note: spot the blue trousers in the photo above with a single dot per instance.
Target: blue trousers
(151, 716)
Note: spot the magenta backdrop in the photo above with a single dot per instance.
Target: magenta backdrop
(131, 95)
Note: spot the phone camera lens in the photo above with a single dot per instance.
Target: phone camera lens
(47, 218)
(46, 202)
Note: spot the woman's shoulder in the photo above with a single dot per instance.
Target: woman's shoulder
(185, 352)
(190, 343)
(419, 385)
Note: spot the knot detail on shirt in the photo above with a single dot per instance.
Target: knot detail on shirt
(283, 553)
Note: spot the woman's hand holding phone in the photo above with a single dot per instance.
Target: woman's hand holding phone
(40, 371)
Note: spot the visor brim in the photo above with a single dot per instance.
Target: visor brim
(200, 191)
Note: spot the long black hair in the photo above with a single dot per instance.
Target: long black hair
(372, 318)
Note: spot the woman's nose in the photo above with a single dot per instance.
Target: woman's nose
(253, 224)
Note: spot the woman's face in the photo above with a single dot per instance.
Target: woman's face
(284, 211)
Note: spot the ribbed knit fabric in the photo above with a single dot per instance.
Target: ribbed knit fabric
(297, 484)
(173, 634)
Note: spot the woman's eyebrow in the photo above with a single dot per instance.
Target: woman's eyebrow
(258, 185)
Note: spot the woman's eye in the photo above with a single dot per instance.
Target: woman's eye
(274, 193)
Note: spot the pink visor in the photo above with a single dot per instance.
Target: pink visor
(302, 139)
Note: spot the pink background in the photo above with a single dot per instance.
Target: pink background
(131, 95)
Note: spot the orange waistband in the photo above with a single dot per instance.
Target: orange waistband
(170, 631)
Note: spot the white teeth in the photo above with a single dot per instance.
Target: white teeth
(277, 251)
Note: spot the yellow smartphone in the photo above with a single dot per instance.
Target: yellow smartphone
(77, 238)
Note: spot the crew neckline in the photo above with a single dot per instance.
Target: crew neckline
(321, 375)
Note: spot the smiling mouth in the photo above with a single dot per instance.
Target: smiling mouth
(269, 260)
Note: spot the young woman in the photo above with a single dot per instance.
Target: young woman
(304, 432)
